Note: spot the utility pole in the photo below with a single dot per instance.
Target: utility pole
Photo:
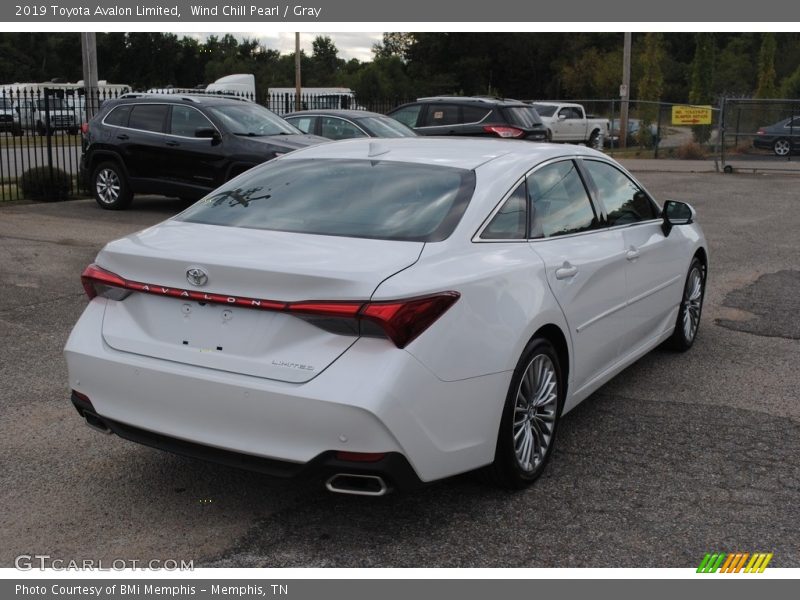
(625, 92)
(297, 77)
(89, 55)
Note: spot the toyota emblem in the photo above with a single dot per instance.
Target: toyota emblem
(197, 276)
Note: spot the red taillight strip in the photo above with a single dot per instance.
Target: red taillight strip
(401, 320)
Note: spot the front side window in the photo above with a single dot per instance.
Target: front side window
(624, 201)
(407, 115)
(148, 117)
(346, 197)
(511, 221)
(338, 129)
(187, 120)
(559, 202)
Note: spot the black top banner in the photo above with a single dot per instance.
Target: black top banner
(409, 11)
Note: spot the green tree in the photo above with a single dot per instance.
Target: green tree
(766, 67)
(702, 79)
(651, 84)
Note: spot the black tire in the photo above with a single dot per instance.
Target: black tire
(782, 147)
(16, 132)
(685, 333)
(507, 469)
(110, 186)
(593, 140)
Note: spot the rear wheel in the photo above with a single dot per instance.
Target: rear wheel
(595, 141)
(782, 147)
(691, 308)
(110, 187)
(530, 417)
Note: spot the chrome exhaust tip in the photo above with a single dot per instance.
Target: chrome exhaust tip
(95, 422)
(357, 485)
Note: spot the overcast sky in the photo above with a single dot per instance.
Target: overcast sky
(356, 44)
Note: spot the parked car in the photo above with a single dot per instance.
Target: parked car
(568, 122)
(386, 315)
(471, 116)
(632, 137)
(183, 146)
(782, 137)
(346, 124)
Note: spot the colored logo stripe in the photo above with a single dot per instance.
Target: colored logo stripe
(734, 563)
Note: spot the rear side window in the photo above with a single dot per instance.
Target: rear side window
(304, 124)
(148, 117)
(560, 204)
(118, 116)
(407, 115)
(347, 197)
(624, 201)
(443, 114)
(511, 221)
(473, 114)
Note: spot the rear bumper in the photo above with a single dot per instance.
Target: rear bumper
(373, 399)
(393, 467)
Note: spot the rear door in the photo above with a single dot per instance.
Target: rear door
(141, 144)
(585, 266)
(441, 118)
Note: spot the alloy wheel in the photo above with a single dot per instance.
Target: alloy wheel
(782, 147)
(535, 412)
(108, 186)
(692, 304)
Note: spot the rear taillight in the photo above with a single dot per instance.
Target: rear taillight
(504, 131)
(404, 320)
(84, 128)
(399, 320)
(99, 282)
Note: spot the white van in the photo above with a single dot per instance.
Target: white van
(282, 100)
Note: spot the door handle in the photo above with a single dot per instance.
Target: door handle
(566, 271)
(632, 253)
(173, 143)
(123, 137)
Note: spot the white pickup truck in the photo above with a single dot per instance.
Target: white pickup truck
(567, 122)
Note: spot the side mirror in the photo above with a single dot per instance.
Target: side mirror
(562, 117)
(208, 133)
(676, 213)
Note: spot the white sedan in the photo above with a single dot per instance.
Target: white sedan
(386, 313)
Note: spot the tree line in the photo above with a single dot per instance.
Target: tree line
(671, 67)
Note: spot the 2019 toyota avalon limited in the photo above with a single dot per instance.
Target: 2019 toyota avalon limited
(386, 312)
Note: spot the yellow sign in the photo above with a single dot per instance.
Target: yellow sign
(691, 115)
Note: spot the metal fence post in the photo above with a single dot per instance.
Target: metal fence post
(49, 133)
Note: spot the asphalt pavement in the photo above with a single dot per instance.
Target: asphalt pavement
(679, 455)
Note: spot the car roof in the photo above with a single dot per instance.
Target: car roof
(136, 97)
(491, 100)
(459, 152)
(333, 112)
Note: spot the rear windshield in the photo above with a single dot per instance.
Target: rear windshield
(248, 119)
(345, 197)
(522, 116)
(545, 110)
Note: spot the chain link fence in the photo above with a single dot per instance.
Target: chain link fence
(760, 135)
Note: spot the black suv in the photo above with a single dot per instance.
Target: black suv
(475, 116)
(182, 146)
